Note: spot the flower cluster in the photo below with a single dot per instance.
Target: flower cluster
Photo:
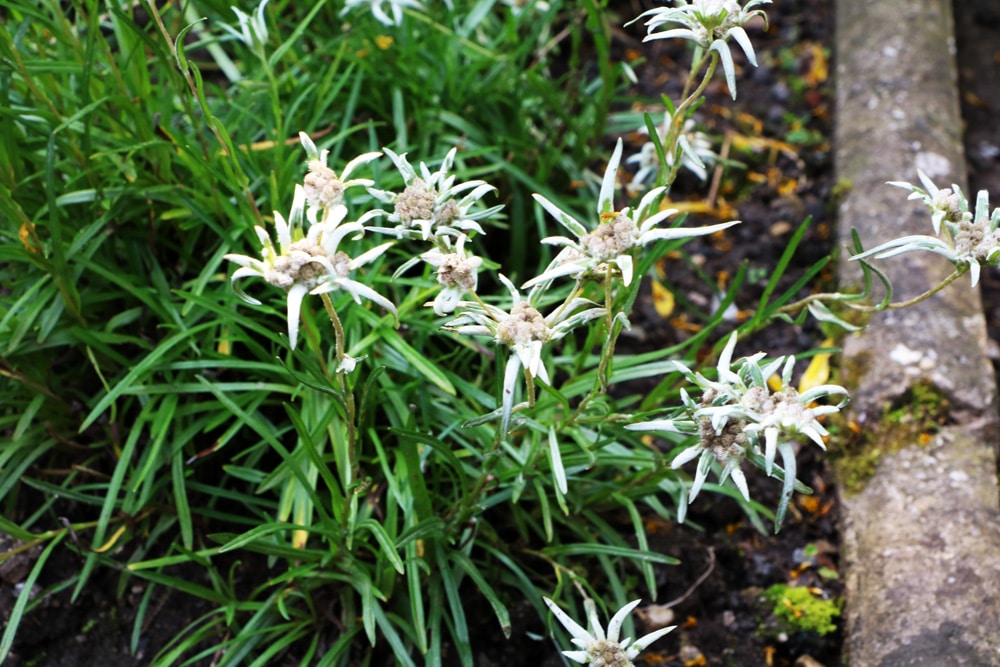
(524, 331)
(324, 189)
(739, 416)
(709, 24)
(308, 259)
(429, 207)
(434, 209)
(971, 240)
(597, 647)
(694, 149)
(379, 14)
(309, 262)
(617, 235)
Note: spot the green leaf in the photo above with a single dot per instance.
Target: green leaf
(424, 366)
(467, 566)
(17, 612)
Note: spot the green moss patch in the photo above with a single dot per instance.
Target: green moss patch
(914, 418)
(802, 611)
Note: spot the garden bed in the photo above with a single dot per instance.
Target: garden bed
(777, 137)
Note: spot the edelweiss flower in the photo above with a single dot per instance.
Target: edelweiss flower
(324, 189)
(517, 7)
(709, 24)
(308, 263)
(945, 204)
(695, 152)
(428, 202)
(736, 409)
(523, 330)
(253, 29)
(457, 272)
(600, 648)
(397, 7)
(617, 235)
(972, 242)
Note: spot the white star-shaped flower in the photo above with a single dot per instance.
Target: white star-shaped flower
(598, 647)
(429, 204)
(308, 263)
(710, 24)
(616, 237)
(524, 331)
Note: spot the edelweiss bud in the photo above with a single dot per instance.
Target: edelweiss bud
(416, 202)
(525, 325)
(323, 188)
(612, 238)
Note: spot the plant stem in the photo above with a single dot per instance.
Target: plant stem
(339, 378)
(793, 308)
(680, 113)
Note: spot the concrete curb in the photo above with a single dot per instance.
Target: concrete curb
(922, 541)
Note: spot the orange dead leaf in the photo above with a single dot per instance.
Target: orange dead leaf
(681, 323)
(810, 504)
(761, 144)
(788, 187)
(27, 235)
(721, 209)
(819, 70)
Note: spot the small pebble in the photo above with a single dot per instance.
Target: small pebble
(656, 616)
(807, 661)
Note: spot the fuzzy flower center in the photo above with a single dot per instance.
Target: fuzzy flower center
(611, 239)
(950, 203)
(341, 263)
(730, 443)
(605, 653)
(458, 271)
(975, 239)
(447, 212)
(298, 266)
(322, 187)
(415, 202)
(782, 408)
(524, 326)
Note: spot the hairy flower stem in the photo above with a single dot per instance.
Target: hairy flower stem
(846, 299)
(607, 353)
(462, 511)
(341, 381)
(679, 116)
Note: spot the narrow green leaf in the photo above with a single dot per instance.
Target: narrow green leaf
(418, 361)
(388, 549)
(17, 612)
(467, 566)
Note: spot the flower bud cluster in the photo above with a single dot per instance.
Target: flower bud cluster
(970, 240)
(710, 24)
(739, 416)
(600, 648)
(307, 258)
(695, 148)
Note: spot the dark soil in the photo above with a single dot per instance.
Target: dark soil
(978, 22)
(715, 593)
(778, 135)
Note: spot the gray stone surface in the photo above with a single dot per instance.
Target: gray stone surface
(922, 540)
